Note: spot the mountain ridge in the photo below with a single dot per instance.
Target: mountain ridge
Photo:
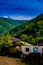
(33, 28)
(7, 24)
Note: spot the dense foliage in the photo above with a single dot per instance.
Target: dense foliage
(31, 31)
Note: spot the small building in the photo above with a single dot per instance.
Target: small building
(31, 49)
(27, 48)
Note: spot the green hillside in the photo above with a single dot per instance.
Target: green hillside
(8, 24)
(31, 31)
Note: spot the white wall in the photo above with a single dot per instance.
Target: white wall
(23, 49)
(40, 49)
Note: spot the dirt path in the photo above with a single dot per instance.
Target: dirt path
(9, 61)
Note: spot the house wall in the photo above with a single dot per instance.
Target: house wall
(40, 49)
(23, 49)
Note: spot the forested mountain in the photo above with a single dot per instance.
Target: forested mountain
(8, 24)
(31, 31)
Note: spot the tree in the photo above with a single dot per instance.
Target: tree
(38, 34)
(23, 37)
(8, 40)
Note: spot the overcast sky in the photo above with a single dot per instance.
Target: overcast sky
(20, 9)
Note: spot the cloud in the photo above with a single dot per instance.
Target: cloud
(21, 17)
(5, 16)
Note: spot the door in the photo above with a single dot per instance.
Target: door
(35, 50)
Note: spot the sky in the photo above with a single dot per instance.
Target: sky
(20, 9)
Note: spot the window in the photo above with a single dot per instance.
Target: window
(27, 49)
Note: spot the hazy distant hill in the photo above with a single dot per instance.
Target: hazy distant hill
(30, 31)
(8, 24)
